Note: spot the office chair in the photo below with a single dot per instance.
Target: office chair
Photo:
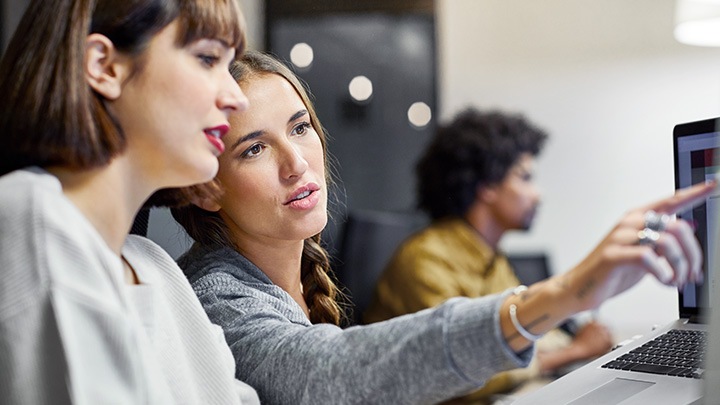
(368, 240)
(140, 224)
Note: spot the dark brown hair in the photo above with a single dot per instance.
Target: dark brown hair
(207, 228)
(49, 115)
(475, 149)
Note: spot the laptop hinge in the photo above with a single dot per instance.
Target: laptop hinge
(698, 318)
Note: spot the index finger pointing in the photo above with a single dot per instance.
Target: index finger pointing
(684, 198)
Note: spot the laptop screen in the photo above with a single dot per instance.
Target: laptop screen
(697, 159)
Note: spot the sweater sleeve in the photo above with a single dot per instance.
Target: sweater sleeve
(420, 358)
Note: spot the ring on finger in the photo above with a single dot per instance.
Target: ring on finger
(648, 236)
(656, 221)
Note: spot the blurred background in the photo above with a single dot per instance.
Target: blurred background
(607, 79)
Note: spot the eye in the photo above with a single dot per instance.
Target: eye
(301, 129)
(253, 150)
(208, 60)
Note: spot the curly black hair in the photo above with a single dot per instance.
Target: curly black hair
(474, 149)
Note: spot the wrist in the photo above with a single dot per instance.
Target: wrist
(575, 290)
(537, 310)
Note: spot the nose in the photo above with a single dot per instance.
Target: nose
(537, 195)
(231, 97)
(292, 164)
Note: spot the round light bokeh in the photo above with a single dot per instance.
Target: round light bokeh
(301, 55)
(419, 114)
(360, 88)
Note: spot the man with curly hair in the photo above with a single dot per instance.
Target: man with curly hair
(475, 180)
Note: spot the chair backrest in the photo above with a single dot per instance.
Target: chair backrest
(368, 241)
(530, 268)
(141, 222)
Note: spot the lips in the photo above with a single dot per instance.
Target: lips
(304, 198)
(302, 192)
(214, 136)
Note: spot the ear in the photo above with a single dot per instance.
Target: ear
(205, 195)
(486, 194)
(207, 203)
(105, 67)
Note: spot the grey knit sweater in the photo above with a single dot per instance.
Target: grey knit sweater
(420, 358)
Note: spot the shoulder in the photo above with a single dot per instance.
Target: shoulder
(45, 240)
(33, 202)
(151, 261)
(22, 190)
(439, 239)
(227, 282)
(210, 263)
(227, 300)
(139, 245)
(223, 281)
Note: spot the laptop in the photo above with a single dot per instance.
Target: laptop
(641, 372)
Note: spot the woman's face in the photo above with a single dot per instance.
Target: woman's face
(273, 171)
(176, 107)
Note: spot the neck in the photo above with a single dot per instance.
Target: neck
(482, 220)
(108, 197)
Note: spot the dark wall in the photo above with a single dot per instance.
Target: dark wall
(3, 23)
(373, 143)
(10, 13)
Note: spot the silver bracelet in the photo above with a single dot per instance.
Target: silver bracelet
(513, 318)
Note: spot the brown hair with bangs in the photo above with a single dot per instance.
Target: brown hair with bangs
(49, 114)
(217, 19)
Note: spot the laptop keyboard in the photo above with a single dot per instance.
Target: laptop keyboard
(675, 353)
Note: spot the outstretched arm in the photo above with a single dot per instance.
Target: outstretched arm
(615, 265)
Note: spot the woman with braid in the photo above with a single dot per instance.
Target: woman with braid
(261, 274)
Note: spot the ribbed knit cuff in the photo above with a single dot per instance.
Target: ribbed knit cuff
(474, 339)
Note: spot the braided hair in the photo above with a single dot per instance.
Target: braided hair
(208, 229)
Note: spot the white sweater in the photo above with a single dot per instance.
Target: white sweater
(71, 330)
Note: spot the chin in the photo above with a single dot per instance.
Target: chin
(527, 225)
(205, 172)
(317, 225)
(192, 178)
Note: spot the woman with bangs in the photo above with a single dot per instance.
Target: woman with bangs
(260, 272)
(104, 103)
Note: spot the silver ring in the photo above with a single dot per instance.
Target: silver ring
(656, 221)
(648, 236)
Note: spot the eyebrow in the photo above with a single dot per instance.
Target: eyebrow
(251, 135)
(255, 134)
(297, 115)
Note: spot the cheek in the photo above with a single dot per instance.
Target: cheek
(316, 159)
(240, 189)
(202, 91)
